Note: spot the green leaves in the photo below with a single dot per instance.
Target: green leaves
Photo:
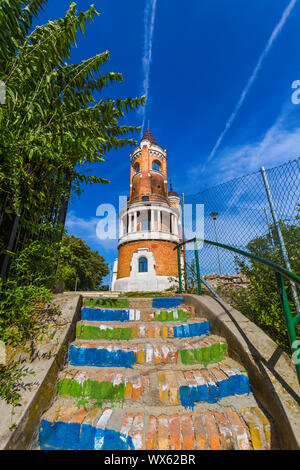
(51, 112)
(52, 129)
(78, 260)
(261, 301)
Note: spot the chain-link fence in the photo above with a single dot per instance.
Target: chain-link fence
(238, 213)
(258, 214)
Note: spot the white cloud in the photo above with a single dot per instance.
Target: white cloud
(149, 22)
(253, 76)
(277, 146)
(86, 229)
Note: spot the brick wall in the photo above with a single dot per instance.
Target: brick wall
(164, 255)
(146, 183)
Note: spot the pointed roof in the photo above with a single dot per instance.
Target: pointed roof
(149, 136)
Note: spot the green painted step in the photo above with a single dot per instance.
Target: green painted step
(94, 332)
(106, 303)
(92, 389)
(204, 355)
(173, 315)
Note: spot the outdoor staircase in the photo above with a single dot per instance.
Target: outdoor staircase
(153, 379)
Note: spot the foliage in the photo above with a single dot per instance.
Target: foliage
(77, 260)
(11, 383)
(20, 308)
(52, 128)
(261, 301)
(189, 278)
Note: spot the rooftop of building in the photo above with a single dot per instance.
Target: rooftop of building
(148, 136)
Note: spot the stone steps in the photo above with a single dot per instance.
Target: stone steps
(153, 329)
(125, 315)
(146, 351)
(147, 378)
(68, 427)
(170, 387)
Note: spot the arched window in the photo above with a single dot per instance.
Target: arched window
(143, 265)
(156, 165)
(136, 168)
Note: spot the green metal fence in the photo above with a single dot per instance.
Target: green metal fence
(263, 206)
(280, 273)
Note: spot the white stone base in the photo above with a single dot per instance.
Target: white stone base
(144, 283)
(139, 281)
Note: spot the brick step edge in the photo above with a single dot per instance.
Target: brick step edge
(111, 429)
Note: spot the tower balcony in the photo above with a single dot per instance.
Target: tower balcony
(149, 222)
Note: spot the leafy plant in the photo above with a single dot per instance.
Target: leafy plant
(78, 261)
(260, 302)
(11, 383)
(52, 128)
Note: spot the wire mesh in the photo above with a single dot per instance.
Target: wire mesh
(237, 213)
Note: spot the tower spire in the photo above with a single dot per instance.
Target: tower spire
(149, 136)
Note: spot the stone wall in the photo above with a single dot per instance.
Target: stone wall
(238, 281)
(44, 358)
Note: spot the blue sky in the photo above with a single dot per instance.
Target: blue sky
(203, 55)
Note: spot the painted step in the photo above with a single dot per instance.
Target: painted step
(202, 351)
(179, 314)
(167, 302)
(106, 303)
(100, 384)
(101, 354)
(167, 387)
(143, 330)
(102, 314)
(105, 314)
(188, 387)
(121, 355)
(114, 429)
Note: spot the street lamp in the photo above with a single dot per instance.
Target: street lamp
(214, 215)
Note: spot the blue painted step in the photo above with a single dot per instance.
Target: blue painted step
(237, 384)
(163, 302)
(73, 436)
(100, 314)
(101, 357)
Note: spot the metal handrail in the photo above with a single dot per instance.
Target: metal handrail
(280, 272)
(276, 267)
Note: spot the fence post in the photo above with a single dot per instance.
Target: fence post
(269, 225)
(183, 237)
(279, 233)
(179, 269)
(197, 267)
(290, 321)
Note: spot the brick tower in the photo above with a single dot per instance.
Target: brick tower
(150, 224)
